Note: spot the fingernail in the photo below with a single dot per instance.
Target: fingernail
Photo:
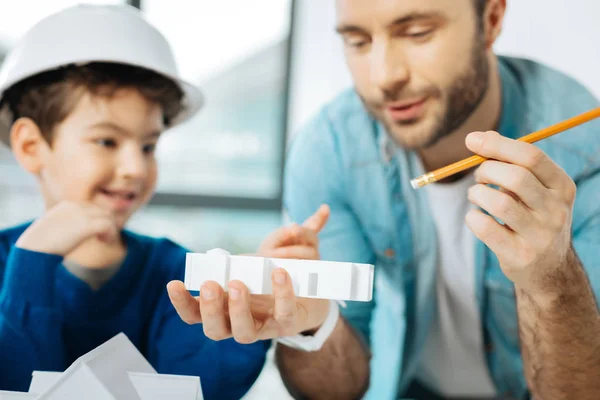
(176, 295)
(207, 294)
(234, 293)
(279, 277)
(475, 137)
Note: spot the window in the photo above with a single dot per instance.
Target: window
(17, 16)
(237, 52)
(225, 165)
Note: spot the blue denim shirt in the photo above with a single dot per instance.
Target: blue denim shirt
(343, 157)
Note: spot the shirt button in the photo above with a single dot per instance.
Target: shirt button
(390, 253)
(489, 347)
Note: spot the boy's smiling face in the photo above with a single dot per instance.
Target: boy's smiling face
(103, 153)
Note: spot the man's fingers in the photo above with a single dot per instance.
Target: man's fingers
(317, 221)
(306, 236)
(497, 237)
(299, 252)
(285, 302)
(281, 237)
(296, 235)
(515, 179)
(288, 236)
(504, 207)
(186, 305)
(212, 309)
(243, 327)
(495, 146)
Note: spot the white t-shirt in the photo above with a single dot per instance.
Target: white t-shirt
(453, 362)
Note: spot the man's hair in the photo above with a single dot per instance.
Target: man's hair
(479, 10)
(49, 97)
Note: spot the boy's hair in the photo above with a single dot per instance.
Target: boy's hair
(49, 97)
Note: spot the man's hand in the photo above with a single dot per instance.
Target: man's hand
(535, 204)
(557, 313)
(248, 318)
(66, 226)
(296, 241)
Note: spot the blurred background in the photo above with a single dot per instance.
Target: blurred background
(265, 66)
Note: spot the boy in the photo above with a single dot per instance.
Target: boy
(85, 96)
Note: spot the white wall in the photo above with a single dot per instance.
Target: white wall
(318, 68)
(562, 33)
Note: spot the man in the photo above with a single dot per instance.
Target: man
(480, 292)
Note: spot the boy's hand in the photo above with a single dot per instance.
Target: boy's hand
(66, 226)
(248, 318)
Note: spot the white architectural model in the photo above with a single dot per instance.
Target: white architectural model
(5, 395)
(116, 370)
(315, 279)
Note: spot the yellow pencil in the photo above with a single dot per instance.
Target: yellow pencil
(474, 161)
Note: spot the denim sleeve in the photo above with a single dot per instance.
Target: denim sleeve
(586, 236)
(315, 175)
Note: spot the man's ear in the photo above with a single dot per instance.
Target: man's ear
(493, 19)
(28, 145)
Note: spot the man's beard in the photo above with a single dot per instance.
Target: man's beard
(464, 96)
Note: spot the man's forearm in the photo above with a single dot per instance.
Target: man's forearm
(560, 337)
(340, 370)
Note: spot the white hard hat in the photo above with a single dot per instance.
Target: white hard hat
(89, 33)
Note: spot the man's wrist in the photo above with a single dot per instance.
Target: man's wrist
(552, 292)
(311, 330)
(313, 340)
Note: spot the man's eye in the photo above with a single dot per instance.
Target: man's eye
(420, 34)
(356, 42)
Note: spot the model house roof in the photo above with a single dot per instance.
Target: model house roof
(115, 370)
